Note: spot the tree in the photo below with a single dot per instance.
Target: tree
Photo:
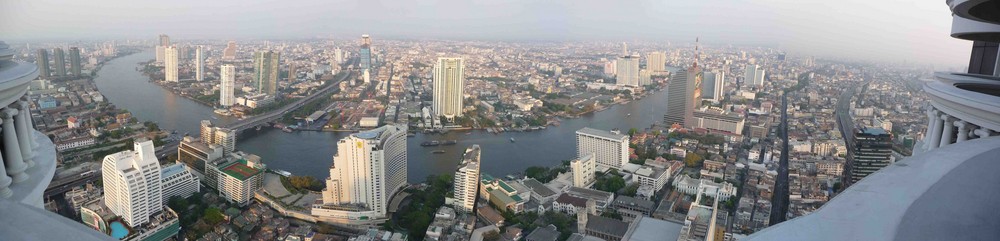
(631, 132)
(631, 190)
(492, 235)
(177, 203)
(213, 216)
(693, 159)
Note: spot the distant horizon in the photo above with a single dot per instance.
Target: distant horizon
(890, 31)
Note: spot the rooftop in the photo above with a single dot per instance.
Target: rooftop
(604, 225)
(172, 170)
(651, 229)
(874, 131)
(601, 133)
(538, 187)
(543, 234)
(240, 170)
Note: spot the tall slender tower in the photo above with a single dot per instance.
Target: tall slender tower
(266, 71)
(449, 87)
(60, 61)
(42, 58)
(170, 64)
(684, 95)
(467, 180)
(199, 63)
(74, 60)
(164, 40)
(228, 77)
(366, 52)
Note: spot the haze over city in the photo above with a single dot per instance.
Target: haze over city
(896, 30)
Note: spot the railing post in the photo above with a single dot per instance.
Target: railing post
(12, 150)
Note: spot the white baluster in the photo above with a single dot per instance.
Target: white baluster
(949, 126)
(936, 131)
(23, 134)
(5, 181)
(27, 117)
(963, 130)
(12, 150)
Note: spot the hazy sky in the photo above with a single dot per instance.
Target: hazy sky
(887, 30)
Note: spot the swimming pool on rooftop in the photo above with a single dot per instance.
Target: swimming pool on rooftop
(118, 230)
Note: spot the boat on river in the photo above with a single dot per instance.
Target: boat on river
(511, 139)
(430, 143)
(438, 151)
(449, 142)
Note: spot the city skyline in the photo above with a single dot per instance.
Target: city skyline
(792, 25)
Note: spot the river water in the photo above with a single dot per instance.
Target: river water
(311, 153)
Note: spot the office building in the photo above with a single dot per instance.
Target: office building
(754, 76)
(224, 137)
(42, 59)
(467, 180)
(199, 63)
(656, 62)
(683, 97)
(132, 183)
(265, 66)
(711, 86)
(178, 180)
(584, 169)
(609, 148)
(872, 152)
(60, 61)
(717, 119)
(236, 176)
(368, 170)
(365, 53)
(227, 85)
(449, 87)
(74, 61)
(170, 64)
(164, 40)
(196, 154)
(229, 53)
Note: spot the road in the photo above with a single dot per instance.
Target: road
(846, 126)
(66, 184)
(258, 119)
(779, 200)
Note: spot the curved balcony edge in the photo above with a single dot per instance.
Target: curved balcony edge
(978, 108)
(943, 194)
(31, 192)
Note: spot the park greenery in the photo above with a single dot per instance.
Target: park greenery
(609, 182)
(302, 184)
(418, 213)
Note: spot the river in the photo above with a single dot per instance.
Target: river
(311, 153)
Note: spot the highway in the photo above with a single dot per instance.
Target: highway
(846, 125)
(779, 200)
(269, 116)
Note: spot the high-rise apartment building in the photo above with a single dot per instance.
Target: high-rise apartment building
(60, 61)
(160, 54)
(74, 61)
(230, 52)
(225, 137)
(467, 180)
(237, 176)
(164, 40)
(227, 85)
(132, 183)
(711, 86)
(584, 169)
(684, 97)
(754, 76)
(609, 148)
(338, 55)
(199, 63)
(365, 53)
(178, 181)
(265, 66)
(42, 59)
(656, 62)
(872, 151)
(368, 169)
(449, 87)
(627, 71)
(170, 64)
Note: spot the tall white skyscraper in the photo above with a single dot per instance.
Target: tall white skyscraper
(160, 54)
(449, 87)
(656, 61)
(754, 76)
(367, 170)
(225, 137)
(199, 63)
(711, 86)
(228, 85)
(132, 183)
(609, 148)
(338, 55)
(627, 71)
(170, 64)
(467, 180)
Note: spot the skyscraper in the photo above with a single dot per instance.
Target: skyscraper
(265, 66)
(170, 64)
(712, 86)
(684, 95)
(366, 52)
(338, 55)
(42, 59)
(227, 86)
(230, 52)
(160, 54)
(132, 184)
(467, 180)
(164, 40)
(225, 137)
(872, 151)
(449, 87)
(656, 62)
(754, 76)
(627, 71)
(199, 63)
(60, 61)
(74, 60)
(368, 169)
(609, 148)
